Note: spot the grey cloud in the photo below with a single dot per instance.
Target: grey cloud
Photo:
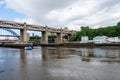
(56, 4)
(41, 6)
(99, 14)
(108, 4)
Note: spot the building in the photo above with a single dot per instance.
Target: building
(100, 39)
(84, 39)
(105, 39)
(113, 39)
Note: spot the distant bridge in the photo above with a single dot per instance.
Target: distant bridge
(23, 27)
(13, 33)
(9, 36)
(7, 41)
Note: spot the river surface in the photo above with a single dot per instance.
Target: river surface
(60, 64)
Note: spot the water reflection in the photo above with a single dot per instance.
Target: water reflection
(85, 59)
(48, 52)
(45, 54)
(103, 54)
(60, 52)
(23, 55)
(60, 64)
(86, 54)
(98, 52)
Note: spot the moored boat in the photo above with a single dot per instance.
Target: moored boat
(28, 48)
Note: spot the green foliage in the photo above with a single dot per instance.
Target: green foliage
(110, 31)
(118, 24)
(52, 36)
(73, 38)
(65, 36)
(91, 55)
(35, 38)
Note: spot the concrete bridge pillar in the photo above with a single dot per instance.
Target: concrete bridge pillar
(69, 37)
(59, 37)
(45, 36)
(23, 34)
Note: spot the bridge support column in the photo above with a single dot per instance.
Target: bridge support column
(59, 38)
(69, 37)
(23, 34)
(45, 36)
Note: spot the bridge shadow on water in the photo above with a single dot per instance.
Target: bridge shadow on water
(60, 63)
(85, 54)
(52, 52)
(46, 53)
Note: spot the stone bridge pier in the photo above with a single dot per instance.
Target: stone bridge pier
(23, 34)
(44, 38)
(59, 37)
(69, 37)
(23, 27)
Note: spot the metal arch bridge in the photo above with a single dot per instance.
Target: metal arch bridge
(14, 34)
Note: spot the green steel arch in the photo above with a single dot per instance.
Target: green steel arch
(11, 31)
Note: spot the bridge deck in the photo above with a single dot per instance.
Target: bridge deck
(16, 25)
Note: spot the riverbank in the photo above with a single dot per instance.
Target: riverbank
(68, 45)
(77, 45)
(16, 45)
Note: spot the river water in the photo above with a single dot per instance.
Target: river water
(60, 64)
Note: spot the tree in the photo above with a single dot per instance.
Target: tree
(118, 24)
(110, 31)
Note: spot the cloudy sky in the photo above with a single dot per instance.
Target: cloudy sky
(62, 13)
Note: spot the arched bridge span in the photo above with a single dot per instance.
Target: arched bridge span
(23, 27)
